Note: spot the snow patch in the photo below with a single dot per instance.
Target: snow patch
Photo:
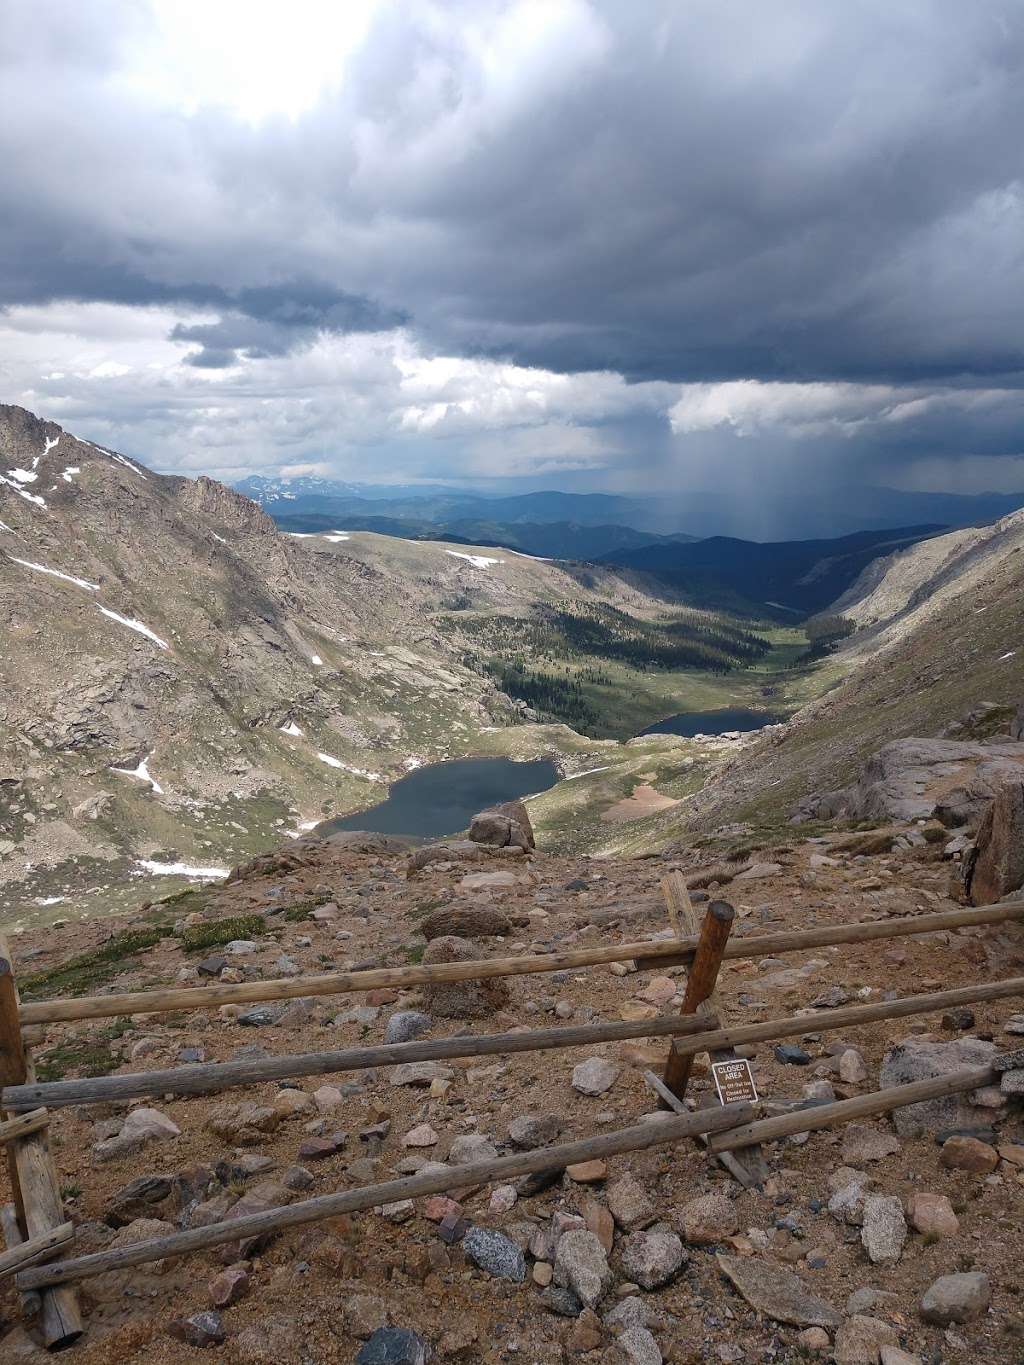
(573, 776)
(70, 472)
(5, 527)
(477, 561)
(23, 492)
(411, 764)
(23, 475)
(1008, 655)
(113, 455)
(142, 773)
(217, 537)
(336, 536)
(48, 445)
(50, 900)
(56, 573)
(301, 535)
(356, 772)
(135, 625)
(290, 729)
(316, 660)
(181, 870)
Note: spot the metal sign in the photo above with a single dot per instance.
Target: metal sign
(734, 1081)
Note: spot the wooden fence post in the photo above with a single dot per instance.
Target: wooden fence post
(33, 1177)
(700, 984)
(750, 1168)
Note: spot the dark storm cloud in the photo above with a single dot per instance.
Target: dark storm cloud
(792, 190)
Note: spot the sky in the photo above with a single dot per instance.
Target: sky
(682, 244)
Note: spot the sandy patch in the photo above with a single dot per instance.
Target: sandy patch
(646, 800)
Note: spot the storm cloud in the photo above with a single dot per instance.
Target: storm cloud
(615, 236)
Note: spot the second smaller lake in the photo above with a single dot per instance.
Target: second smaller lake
(443, 797)
(690, 723)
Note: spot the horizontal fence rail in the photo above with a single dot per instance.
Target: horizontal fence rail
(651, 954)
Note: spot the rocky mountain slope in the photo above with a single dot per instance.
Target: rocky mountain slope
(180, 682)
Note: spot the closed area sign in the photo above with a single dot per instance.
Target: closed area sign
(734, 1081)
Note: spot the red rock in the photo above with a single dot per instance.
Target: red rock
(380, 997)
(600, 1222)
(229, 1286)
(587, 1172)
(439, 1206)
(315, 1149)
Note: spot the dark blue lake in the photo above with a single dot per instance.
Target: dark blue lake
(690, 723)
(442, 798)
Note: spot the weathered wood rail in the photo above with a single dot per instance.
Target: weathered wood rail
(647, 955)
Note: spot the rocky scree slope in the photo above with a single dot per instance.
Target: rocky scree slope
(179, 680)
(889, 1233)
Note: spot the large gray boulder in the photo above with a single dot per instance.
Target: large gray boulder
(504, 826)
(995, 866)
(917, 1059)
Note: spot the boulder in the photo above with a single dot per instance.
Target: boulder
(995, 865)
(956, 1298)
(504, 826)
(471, 921)
(462, 999)
(630, 1204)
(916, 1059)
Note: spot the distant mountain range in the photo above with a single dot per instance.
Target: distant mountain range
(772, 514)
(796, 577)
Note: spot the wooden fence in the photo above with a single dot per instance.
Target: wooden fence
(35, 1228)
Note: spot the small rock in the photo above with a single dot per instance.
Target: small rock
(629, 1203)
(791, 1055)
(885, 1229)
(708, 1219)
(420, 1073)
(201, 1329)
(859, 1340)
(639, 1346)
(595, 1076)
(494, 1252)
(932, 1214)
(851, 1067)
(420, 1136)
(229, 1286)
(651, 1259)
(328, 1098)
(587, 1172)
(968, 1154)
(394, 1346)
(406, 1025)
(862, 1144)
(469, 1148)
(581, 1259)
(534, 1130)
(956, 1298)
(542, 1273)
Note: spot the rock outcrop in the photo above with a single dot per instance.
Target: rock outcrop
(504, 826)
(994, 866)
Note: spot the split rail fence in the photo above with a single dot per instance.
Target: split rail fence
(35, 1227)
